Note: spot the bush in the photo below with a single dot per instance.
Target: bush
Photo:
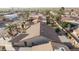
(57, 30)
(67, 24)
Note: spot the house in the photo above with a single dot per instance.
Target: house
(76, 33)
(43, 47)
(11, 16)
(38, 33)
(50, 46)
(75, 49)
(59, 47)
(64, 39)
(38, 17)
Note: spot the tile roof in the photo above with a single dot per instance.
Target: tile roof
(39, 29)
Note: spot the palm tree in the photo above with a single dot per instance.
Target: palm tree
(23, 26)
(57, 17)
(61, 10)
(71, 11)
(59, 13)
(48, 16)
(10, 29)
(48, 19)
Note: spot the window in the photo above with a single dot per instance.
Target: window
(25, 43)
(3, 49)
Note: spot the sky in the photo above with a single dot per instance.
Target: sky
(38, 3)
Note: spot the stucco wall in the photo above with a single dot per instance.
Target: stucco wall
(36, 40)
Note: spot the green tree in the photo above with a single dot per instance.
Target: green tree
(10, 29)
(57, 30)
(59, 13)
(48, 19)
(23, 24)
(71, 11)
(57, 17)
(61, 10)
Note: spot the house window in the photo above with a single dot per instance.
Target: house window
(3, 49)
(25, 43)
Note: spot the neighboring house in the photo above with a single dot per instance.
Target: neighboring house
(76, 33)
(64, 39)
(38, 33)
(74, 14)
(59, 47)
(75, 49)
(11, 16)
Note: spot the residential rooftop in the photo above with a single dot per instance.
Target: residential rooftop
(38, 29)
